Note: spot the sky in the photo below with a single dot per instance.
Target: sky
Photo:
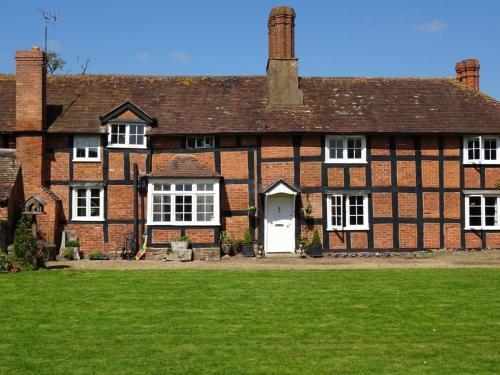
(405, 38)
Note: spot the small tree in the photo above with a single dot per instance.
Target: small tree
(25, 246)
(54, 62)
(316, 240)
(247, 237)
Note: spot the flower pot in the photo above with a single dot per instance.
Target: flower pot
(247, 250)
(316, 250)
(179, 245)
(227, 249)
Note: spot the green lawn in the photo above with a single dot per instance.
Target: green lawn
(266, 322)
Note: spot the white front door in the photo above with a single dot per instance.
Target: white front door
(280, 223)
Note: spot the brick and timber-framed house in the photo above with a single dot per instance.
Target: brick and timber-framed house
(383, 163)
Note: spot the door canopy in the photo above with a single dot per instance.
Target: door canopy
(281, 187)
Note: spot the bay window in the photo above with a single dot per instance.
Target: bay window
(482, 150)
(345, 149)
(86, 148)
(127, 135)
(481, 211)
(181, 202)
(88, 204)
(347, 212)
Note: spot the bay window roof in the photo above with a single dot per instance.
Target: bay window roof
(184, 166)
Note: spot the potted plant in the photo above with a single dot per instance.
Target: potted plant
(251, 209)
(180, 243)
(247, 245)
(303, 247)
(226, 243)
(98, 255)
(307, 210)
(74, 247)
(316, 248)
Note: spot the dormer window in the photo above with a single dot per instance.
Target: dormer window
(200, 142)
(345, 149)
(128, 135)
(482, 150)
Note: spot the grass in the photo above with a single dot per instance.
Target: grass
(267, 322)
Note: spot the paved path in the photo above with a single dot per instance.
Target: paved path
(439, 259)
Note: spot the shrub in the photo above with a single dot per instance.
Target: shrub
(316, 240)
(5, 263)
(247, 237)
(72, 243)
(182, 239)
(68, 254)
(25, 245)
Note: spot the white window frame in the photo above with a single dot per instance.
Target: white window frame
(127, 135)
(482, 150)
(345, 158)
(83, 139)
(483, 212)
(345, 213)
(87, 217)
(194, 193)
(211, 144)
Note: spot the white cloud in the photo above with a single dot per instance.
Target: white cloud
(431, 26)
(143, 55)
(179, 56)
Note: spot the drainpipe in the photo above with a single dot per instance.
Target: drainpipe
(136, 211)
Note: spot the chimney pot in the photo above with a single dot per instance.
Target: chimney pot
(468, 72)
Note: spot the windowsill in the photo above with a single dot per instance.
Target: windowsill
(347, 161)
(86, 160)
(186, 224)
(482, 228)
(496, 162)
(347, 229)
(86, 219)
(128, 146)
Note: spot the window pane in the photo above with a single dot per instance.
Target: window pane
(336, 148)
(473, 147)
(356, 210)
(354, 148)
(80, 152)
(183, 208)
(93, 152)
(490, 149)
(191, 142)
(336, 210)
(475, 211)
(490, 211)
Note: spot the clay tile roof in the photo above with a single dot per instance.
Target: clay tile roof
(9, 171)
(232, 105)
(184, 166)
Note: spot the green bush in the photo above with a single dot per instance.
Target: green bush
(182, 239)
(25, 245)
(72, 243)
(247, 237)
(316, 240)
(5, 263)
(68, 254)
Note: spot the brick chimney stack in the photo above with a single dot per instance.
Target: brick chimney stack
(281, 33)
(468, 72)
(30, 117)
(282, 67)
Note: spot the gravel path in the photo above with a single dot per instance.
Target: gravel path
(438, 259)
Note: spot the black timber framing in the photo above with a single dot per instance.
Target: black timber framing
(417, 145)
(394, 192)
(441, 191)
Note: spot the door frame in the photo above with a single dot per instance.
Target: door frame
(280, 188)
